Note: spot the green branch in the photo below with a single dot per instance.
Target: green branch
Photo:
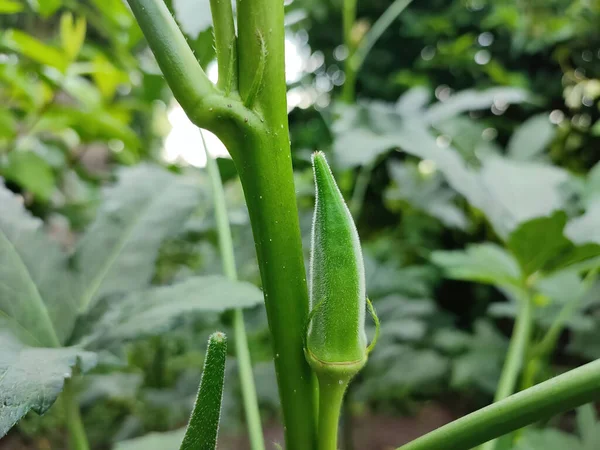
(241, 339)
(225, 44)
(515, 358)
(77, 437)
(563, 393)
(202, 101)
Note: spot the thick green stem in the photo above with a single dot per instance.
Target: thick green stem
(263, 160)
(225, 44)
(563, 393)
(241, 339)
(331, 396)
(515, 358)
(77, 437)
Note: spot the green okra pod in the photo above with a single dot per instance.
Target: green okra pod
(203, 428)
(336, 333)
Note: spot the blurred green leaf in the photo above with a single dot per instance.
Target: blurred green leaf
(483, 263)
(46, 7)
(157, 310)
(35, 288)
(31, 378)
(170, 440)
(538, 241)
(585, 229)
(72, 34)
(21, 42)
(11, 6)
(425, 193)
(531, 139)
(117, 253)
(31, 172)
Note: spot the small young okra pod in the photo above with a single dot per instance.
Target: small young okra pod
(336, 341)
(203, 428)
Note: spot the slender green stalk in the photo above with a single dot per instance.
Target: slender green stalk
(263, 160)
(515, 358)
(225, 44)
(330, 404)
(77, 437)
(563, 393)
(203, 428)
(548, 342)
(241, 339)
(357, 58)
(360, 188)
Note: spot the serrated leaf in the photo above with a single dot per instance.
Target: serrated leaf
(155, 311)
(117, 253)
(538, 241)
(483, 263)
(31, 378)
(170, 440)
(531, 138)
(35, 286)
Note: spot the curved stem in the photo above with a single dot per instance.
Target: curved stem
(241, 339)
(204, 104)
(77, 437)
(331, 396)
(515, 357)
(563, 393)
(225, 44)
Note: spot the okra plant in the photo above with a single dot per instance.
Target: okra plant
(317, 326)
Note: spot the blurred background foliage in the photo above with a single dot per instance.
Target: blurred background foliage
(473, 119)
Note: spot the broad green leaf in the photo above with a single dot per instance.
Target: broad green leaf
(193, 16)
(156, 310)
(35, 286)
(586, 228)
(31, 378)
(538, 241)
(471, 100)
(31, 172)
(170, 440)
(483, 263)
(360, 147)
(425, 193)
(413, 101)
(532, 138)
(508, 192)
(35, 49)
(107, 77)
(11, 6)
(8, 124)
(117, 253)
